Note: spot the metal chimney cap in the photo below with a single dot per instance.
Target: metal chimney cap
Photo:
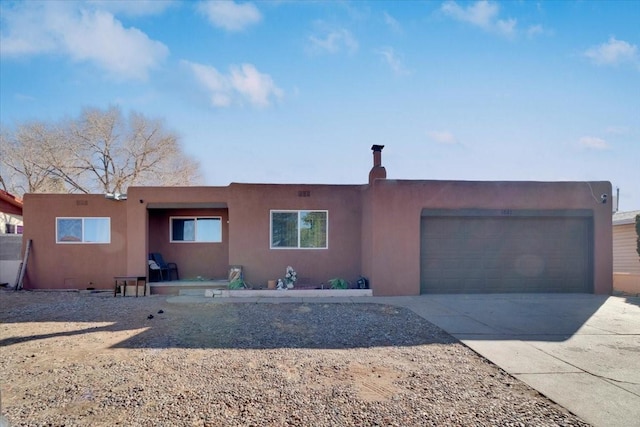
(377, 147)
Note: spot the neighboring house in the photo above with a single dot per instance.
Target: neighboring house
(626, 261)
(406, 236)
(10, 237)
(10, 214)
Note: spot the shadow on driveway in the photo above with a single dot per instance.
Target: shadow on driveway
(552, 317)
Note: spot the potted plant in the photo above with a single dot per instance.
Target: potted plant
(290, 277)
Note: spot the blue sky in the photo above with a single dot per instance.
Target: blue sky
(297, 92)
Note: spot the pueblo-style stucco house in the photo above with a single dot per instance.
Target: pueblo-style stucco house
(10, 214)
(406, 236)
(10, 237)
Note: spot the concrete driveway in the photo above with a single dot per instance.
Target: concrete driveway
(582, 351)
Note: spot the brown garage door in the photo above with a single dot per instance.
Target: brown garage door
(485, 251)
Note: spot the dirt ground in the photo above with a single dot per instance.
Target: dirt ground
(91, 359)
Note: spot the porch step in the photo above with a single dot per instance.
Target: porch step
(297, 293)
(220, 289)
(187, 287)
(204, 292)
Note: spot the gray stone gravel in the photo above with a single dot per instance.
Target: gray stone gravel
(91, 360)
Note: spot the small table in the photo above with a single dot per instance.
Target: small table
(124, 279)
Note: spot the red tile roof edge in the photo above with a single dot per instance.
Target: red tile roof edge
(11, 199)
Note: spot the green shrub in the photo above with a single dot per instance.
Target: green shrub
(338, 283)
(237, 284)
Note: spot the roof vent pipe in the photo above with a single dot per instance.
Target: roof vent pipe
(377, 171)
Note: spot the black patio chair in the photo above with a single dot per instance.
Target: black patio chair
(167, 267)
(155, 273)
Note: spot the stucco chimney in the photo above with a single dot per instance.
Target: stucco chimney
(377, 171)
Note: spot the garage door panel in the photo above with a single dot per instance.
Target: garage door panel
(493, 273)
(445, 231)
(506, 254)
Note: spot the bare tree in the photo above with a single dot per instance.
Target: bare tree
(24, 159)
(100, 151)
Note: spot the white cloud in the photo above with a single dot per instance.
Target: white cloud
(124, 52)
(84, 35)
(537, 30)
(534, 30)
(255, 86)
(442, 137)
(506, 27)
(218, 85)
(593, 142)
(483, 14)
(617, 130)
(334, 41)
(392, 23)
(392, 59)
(134, 8)
(613, 52)
(21, 97)
(242, 83)
(25, 28)
(229, 15)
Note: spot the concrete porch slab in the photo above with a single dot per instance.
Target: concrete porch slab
(297, 293)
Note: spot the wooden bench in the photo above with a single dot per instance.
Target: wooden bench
(123, 281)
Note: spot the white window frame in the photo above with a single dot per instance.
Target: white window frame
(298, 211)
(82, 219)
(195, 218)
(13, 229)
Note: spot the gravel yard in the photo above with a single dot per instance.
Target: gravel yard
(78, 359)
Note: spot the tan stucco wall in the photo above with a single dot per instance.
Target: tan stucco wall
(366, 228)
(247, 237)
(396, 249)
(249, 210)
(72, 266)
(207, 260)
(142, 199)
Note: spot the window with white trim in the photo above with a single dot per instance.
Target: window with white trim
(299, 229)
(13, 229)
(195, 229)
(83, 230)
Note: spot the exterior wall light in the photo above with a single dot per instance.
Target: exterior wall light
(115, 196)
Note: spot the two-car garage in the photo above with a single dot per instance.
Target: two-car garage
(495, 251)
